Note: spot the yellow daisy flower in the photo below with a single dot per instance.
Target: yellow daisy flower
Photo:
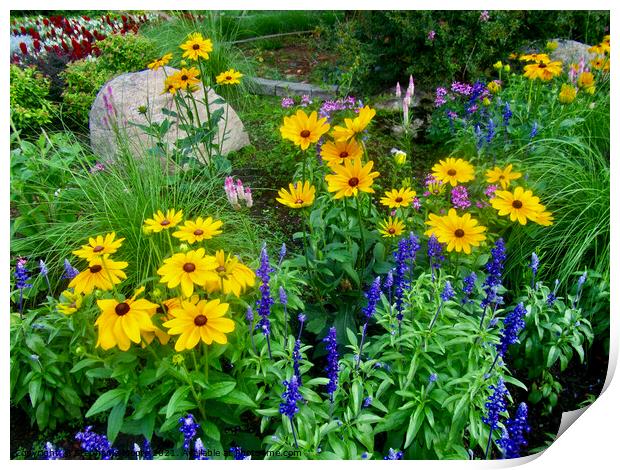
(535, 57)
(196, 46)
(543, 218)
(302, 129)
(202, 321)
(187, 269)
(161, 222)
(453, 171)
(459, 233)
(161, 62)
(170, 86)
(336, 153)
(351, 178)
(402, 197)
(198, 230)
(230, 275)
(502, 176)
(600, 64)
(102, 273)
(520, 204)
(99, 246)
(354, 127)
(122, 323)
(299, 195)
(69, 302)
(185, 79)
(568, 93)
(586, 82)
(229, 77)
(544, 71)
(391, 227)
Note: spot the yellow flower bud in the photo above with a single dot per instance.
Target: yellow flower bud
(400, 157)
(498, 65)
(177, 359)
(183, 63)
(157, 294)
(567, 94)
(552, 45)
(183, 247)
(486, 101)
(507, 68)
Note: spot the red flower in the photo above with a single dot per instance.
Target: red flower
(23, 48)
(37, 44)
(46, 22)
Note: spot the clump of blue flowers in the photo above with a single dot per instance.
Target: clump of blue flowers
(493, 281)
(372, 294)
(188, 427)
(435, 254)
(93, 442)
(70, 271)
(495, 405)
(331, 344)
(52, 452)
(265, 302)
(513, 324)
(21, 281)
(468, 287)
(290, 397)
(513, 438)
(394, 454)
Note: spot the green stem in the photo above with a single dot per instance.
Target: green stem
(359, 217)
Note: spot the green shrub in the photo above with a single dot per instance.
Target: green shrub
(381, 47)
(30, 106)
(84, 78)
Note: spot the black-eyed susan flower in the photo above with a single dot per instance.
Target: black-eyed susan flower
(229, 77)
(229, 276)
(568, 93)
(299, 195)
(170, 85)
(453, 171)
(193, 231)
(302, 129)
(535, 57)
(402, 197)
(519, 204)
(544, 218)
(543, 70)
(459, 233)
(391, 227)
(196, 46)
(161, 62)
(600, 63)
(336, 153)
(70, 302)
(187, 269)
(99, 246)
(102, 273)
(502, 176)
(185, 79)
(161, 221)
(122, 323)
(494, 86)
(585, 81)
(195, 322)
(351, 178)
(354, 127)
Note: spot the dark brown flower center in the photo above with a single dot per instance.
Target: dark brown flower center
(189, 267)
(392, 230)
(501, 177)
(200, 320)
(164, 222)
(98, 248)
(196, 47)
(184, 77)
(72, 305)
(344, 154)
(198, 232)
(305, 133)
(299, 201)
(353, 182)
(95, 268)
(398, 199)
(452, 172)
(220, 269)
(228, 77)
(121, 309)
(517, 204)
(459, 233)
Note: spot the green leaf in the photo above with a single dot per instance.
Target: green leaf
(107, 400)
(115, 420)
(554, 354)
(414, 425)
(237, 397)
(392, 421)
(218, 390)
(352, 338)
(178, 396)
(34, 389)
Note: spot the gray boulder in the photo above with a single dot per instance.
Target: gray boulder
(571, 52)
(118, 103)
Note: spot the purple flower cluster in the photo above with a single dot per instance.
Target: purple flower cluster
(495, 270)
(93, 442)
(507, 114)
(297, 359)
(580, 282)
(440, 96)
(431, 35)
(406, 251)
(188, 428)
(460, 197)
(70, 271)
(388, 283)
(330, 107)
(514, 435)
(372, 294)
(287, 102)
(461, 88)
(551, 298)
(496, 404)
(534, 266)
(394, 455)
(52, 452)
(534, 131)
(447, 293)
(490, 191)
(513, 324)
(237, 453)
(484, 16)
(21, 274)
(265, 302)
(290, 396)
(435, 254)
(332, 362)
(282, 254)
(200, 452)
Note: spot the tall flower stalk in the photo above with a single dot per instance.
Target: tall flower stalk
(495, 405)
(331, 344)
(513, 324)
(373, 294)
(289, 407)
(266, 301)
(493, 281)
(21, 281)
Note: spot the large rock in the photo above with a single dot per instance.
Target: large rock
(128, 92)
(571, 52)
